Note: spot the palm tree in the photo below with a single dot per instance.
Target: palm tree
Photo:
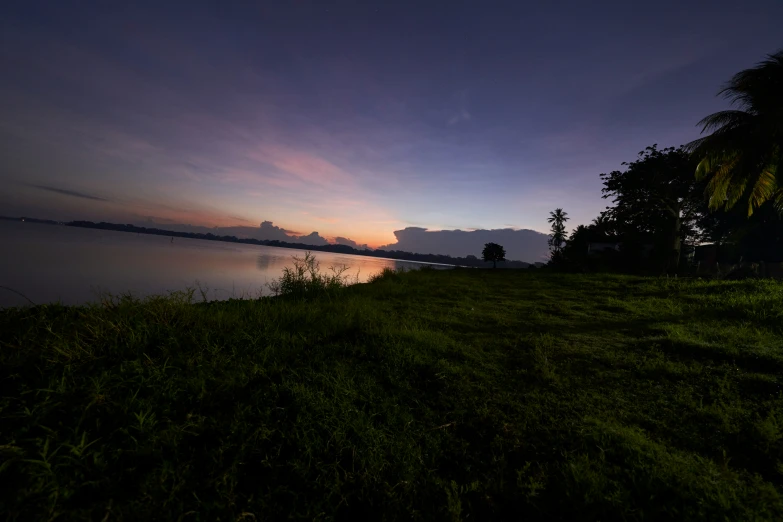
(743, 157)
(558, 236)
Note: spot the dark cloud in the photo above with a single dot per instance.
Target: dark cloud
(520, 245)
(268, 231)
(349, 242)
(311, 239)
(66, 192)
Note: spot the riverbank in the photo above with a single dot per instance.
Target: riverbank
(432, 395)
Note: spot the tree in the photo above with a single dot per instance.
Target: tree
(743, 157)
(575, 254)
(604, 226)
(575, 250)
(558, 236)
(494, 252)
(657, 200)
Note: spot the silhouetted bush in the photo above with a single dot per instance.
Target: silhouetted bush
(306, 278)
(387, 274)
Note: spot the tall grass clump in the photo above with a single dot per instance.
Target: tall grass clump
(305, 278)
(387, 274)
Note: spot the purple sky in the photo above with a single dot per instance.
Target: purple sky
(353, 119)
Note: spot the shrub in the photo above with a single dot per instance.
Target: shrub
(387, 274)
(306, 278)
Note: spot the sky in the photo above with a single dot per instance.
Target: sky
(365, 122)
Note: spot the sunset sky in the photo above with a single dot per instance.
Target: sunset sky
(352, 119)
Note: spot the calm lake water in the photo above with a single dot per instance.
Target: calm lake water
(49, 263)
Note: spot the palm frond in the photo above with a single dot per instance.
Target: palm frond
(718, 164)
(726, 184)
(735, 189)
(741, 157)
(755, 88)
(725, 120)
(778, 202)
(764, 189)
(692, 146)
(723, 139)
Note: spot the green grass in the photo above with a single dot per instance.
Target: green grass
(430, 395)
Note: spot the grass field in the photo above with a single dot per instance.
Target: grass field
(431, 395)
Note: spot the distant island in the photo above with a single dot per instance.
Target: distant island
(468, 261)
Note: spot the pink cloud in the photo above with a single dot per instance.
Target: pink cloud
(303, 165)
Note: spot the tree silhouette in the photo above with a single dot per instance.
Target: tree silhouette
(558, 236)
(743, 157)
(493, 252)
(657, 200)
(604, 225)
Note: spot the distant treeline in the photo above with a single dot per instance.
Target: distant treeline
(340, 249)
(32, 220)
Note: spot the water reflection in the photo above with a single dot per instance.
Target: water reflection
(72, 265)
(267, 262)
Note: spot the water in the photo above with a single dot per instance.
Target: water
(50, 263)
